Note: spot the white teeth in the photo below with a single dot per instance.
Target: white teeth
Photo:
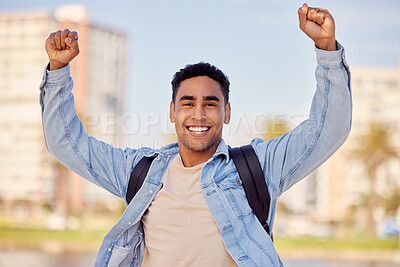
(198, 129)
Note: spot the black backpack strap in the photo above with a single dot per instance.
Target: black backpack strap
(138, 175)
(253, 181)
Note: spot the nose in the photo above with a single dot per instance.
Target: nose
(199, 113)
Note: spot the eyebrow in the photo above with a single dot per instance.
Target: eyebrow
(187, 97)
(209, 98)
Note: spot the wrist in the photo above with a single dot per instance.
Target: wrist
(329, 45)
(55, 65)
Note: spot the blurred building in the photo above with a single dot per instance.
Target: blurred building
(328, 195)
(29, 174)
(376, 98)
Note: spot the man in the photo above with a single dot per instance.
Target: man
(192, 210)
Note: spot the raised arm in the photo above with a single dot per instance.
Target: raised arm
(64, 133)
(289, 158)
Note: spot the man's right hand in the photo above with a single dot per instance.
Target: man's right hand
(61, 47)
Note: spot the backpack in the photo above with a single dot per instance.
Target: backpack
(250, 173)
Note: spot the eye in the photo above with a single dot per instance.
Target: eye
(187, 104)
(211, 105)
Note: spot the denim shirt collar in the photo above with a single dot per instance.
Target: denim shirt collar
(170, 149)
(222, 149)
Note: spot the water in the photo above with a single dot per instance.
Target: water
(25, 258)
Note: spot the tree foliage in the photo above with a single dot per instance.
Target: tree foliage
(373, 149)
(275, 128)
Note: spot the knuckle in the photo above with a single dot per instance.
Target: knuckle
(71, 35)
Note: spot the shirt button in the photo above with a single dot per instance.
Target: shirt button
(109, 249)
(129, 222)
(239, 182)
(151, 191)
(242, 258)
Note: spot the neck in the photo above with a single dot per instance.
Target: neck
(192, 158)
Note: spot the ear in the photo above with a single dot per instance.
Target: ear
(172, 112)
(227, 118)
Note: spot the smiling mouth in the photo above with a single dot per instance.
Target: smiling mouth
(198, 129)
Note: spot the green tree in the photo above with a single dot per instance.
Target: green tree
(275, 128)
(391, 201)
(373, 149)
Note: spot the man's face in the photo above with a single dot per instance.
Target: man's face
(199, 113)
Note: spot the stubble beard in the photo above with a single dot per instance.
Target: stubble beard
(200, 146)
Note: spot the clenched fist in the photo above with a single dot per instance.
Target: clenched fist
(61, 47)
(319, 25)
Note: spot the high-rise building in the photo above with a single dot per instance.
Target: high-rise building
(28, 172)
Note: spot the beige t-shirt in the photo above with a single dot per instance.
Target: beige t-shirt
(179, 229)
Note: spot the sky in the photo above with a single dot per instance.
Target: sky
(257, 43)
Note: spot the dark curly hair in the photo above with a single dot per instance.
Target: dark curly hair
(201, 69)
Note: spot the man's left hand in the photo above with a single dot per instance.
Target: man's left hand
(319, 25)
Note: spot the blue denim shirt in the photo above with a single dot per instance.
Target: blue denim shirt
(285, 161)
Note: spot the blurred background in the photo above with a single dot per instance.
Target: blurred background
(346, 213)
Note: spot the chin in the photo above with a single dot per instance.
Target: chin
(199, 147)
